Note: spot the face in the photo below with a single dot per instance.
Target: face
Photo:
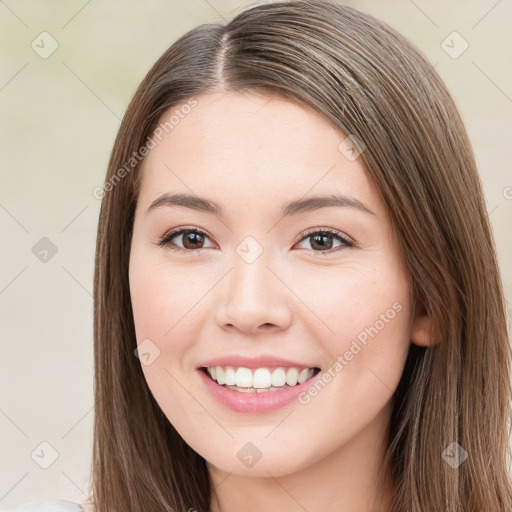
(321, 287)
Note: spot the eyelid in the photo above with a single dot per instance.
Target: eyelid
(165, 239)
(325, 229)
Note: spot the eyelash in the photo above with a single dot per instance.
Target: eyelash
(347, 241)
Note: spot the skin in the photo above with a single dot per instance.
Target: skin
(251, 153)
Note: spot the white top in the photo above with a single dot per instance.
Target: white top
(47, 505)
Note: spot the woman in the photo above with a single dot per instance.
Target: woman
(297, 298)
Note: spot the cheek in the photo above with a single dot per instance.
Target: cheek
(165, 329)
(354, 296)
(361, 317)
(161, 299)
(166, 305)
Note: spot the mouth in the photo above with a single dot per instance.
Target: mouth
(259, 380)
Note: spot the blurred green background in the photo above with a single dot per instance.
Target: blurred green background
(68, 71)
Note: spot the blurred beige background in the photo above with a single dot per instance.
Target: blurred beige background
(60, 113)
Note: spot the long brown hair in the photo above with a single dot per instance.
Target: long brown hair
(371, 82)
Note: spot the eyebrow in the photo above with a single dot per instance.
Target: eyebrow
(288, 209)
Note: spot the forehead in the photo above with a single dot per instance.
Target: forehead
(250, 146)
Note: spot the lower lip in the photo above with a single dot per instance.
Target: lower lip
(239, 401)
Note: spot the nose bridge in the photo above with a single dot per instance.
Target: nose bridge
(250, 279)
(253, 296)
(251, 285)
(251, 261)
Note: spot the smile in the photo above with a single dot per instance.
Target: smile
(259, 380)
(251, 398)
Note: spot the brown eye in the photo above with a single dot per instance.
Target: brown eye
(321, 240)
(191, 238)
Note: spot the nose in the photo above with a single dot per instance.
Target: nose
(253, 298)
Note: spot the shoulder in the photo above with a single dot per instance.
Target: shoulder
(47, 505)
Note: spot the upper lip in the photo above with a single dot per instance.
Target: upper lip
(262, 361)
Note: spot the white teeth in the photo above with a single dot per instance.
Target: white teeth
(262, 378)
(278, 377)
(303, 375)
(254, 390)
(230, 376)
(291, 376)
(243, 378)
(259, 379)
(221, 376)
